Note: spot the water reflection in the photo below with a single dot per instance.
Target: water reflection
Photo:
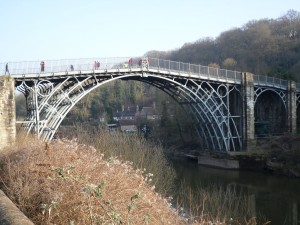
(275, 197)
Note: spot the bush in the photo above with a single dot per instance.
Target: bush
(69, 183)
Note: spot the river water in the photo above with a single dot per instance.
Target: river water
(275, 197)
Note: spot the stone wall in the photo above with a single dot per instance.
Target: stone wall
(10, 214)
(7, 112)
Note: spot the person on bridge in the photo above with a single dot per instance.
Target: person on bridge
(140, 62)
(6, 69)
(42, 66)
(130, 62)
(72, 68)
(96, 65)
(147, 62)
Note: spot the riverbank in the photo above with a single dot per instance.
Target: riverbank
(279, 155)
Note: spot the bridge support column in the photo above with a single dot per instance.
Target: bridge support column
(7, 112)
(248, 109)
(292, 107)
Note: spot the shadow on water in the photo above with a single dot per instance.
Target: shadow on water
(277, 198)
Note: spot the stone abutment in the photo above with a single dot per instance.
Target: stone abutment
(7, 112)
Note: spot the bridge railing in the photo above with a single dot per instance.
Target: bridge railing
(263, 80)
(206, 71)
(63, 65)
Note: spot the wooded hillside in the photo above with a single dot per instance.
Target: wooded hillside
(265, 47)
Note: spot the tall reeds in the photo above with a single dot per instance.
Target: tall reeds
(130, 147)
(212, 202)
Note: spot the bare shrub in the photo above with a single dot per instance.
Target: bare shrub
(68, 183)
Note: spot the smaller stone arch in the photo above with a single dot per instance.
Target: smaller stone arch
(270, 112)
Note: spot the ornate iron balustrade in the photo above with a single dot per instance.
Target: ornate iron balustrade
(28, 68)
(267, 81)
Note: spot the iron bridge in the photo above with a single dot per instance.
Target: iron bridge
(214, 97)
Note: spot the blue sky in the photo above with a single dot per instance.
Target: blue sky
(63, 29)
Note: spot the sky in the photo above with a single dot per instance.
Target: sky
(71, 29)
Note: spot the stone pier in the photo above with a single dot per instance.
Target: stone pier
(7, 112)
(248, 109)
(291, 107)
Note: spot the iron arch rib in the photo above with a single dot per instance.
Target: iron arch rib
(209, 108)
(199, 98)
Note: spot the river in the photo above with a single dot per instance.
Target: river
(275, 197)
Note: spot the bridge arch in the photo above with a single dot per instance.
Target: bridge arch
(270, 111)
(205, 101)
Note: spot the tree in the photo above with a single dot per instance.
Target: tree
(214, 65)
(229, 63)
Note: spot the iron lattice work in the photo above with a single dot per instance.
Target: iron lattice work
(297, 99)
(282, 94)
(49, 100)
(209, 103)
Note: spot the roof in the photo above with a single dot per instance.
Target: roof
(146, 111)
(126, 122)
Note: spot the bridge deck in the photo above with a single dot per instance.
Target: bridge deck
(120, 65)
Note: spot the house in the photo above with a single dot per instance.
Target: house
(129, 114)
(127, 125)
(149, 113)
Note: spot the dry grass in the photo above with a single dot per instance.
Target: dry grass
(68, 183)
